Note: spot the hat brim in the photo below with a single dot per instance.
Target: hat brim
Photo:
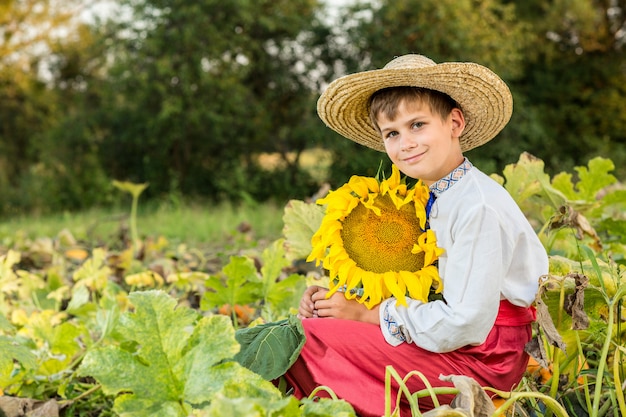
(484, 98)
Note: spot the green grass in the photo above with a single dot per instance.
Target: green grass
(191, 223)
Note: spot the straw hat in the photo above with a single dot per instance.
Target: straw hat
(484, 98)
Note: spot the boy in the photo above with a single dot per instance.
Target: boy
(424, 116)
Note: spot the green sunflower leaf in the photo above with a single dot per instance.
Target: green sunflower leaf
(301, 222)
(270, 349)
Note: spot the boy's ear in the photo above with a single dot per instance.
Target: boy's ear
(458, 122)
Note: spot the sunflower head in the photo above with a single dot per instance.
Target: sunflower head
(373, 237)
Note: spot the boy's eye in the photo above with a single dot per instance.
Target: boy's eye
(417, 125)
(391, 134)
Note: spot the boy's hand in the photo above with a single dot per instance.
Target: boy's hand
(339, 307)
(307, 305)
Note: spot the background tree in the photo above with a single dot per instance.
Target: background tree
(199, 88)
(29, 31)
(186, 95)
(575, 80)
(563, 61)
(444, 30)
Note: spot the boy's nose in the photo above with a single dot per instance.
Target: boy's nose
(407, 143)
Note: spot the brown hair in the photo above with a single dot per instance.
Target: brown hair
(387, 100)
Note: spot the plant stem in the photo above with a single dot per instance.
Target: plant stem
(552, 404)
(605, 350)
(619, 393)
(585, 379)
(87, 393)
(389, 372)
(134, 235)
(323, 388)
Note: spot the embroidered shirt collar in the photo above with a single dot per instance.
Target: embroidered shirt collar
(452, 178)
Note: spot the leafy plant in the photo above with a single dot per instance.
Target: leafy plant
(171, 361)
(587, 274)
(240, 283)
(74, 331)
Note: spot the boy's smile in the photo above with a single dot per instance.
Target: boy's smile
(420, 143)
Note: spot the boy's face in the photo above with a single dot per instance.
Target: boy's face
(420, 143)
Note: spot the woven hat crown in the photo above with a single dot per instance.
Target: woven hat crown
(483, 97)
(410, 61)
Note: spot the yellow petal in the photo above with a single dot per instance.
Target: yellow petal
(394, 180)
(362, 186)
(391, 282)
(369, 204)
(414, 285)
(433, 273)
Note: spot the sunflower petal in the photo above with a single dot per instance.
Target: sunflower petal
(413, 284)
(394, 180)
(358, 186)
(429, 245)
(369, 204)
(391, 282)
(433, 273)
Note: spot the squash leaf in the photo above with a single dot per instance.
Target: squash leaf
(279, 294)
(595, 177)
(179, 363)
(270, 349)
(241, 285)
(527, 178)
(14, 349)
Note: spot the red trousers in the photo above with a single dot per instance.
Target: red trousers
(350, 358)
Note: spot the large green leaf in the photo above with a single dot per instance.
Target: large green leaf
(285, 295)
(595, 177)
(301, 221)
(178, 363)
(273, 263)
(270, 349)
(527, 178)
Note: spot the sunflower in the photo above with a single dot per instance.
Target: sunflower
(374, 242)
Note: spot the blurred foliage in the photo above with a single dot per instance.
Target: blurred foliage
(204, 88)
(185, 95)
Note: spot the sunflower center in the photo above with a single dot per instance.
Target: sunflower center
(383, 243)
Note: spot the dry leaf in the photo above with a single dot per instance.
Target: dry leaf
(545, 326)
(575, 303)
(471, 401)
(26, 407)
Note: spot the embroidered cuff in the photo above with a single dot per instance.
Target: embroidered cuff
(391, 325)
